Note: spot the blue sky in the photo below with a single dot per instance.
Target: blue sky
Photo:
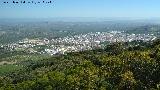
(81, 8)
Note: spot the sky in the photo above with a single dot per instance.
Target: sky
(81, 8)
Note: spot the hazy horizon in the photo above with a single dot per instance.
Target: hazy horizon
(91, 18)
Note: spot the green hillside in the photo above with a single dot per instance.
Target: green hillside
(119, 66)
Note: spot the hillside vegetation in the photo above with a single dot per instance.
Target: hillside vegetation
(119, 66)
